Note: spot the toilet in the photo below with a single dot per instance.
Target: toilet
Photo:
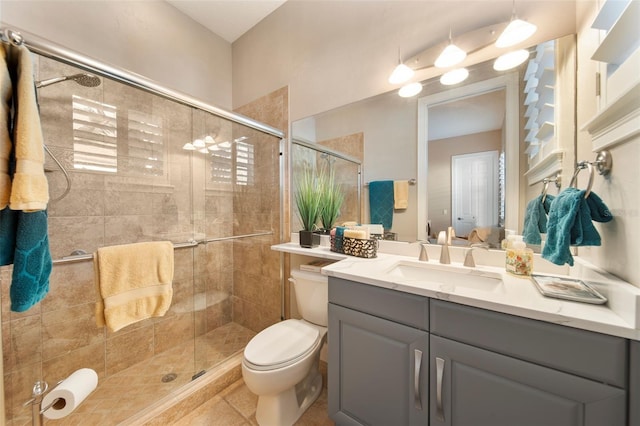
(281, 363)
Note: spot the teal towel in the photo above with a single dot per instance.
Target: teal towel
(570, 223)
(339, 237)
(381, 203)
(535, 219)
(24, 241)
(8, 228)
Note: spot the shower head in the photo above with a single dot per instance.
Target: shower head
(85, 79)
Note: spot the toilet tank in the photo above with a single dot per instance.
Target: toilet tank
(312, 295)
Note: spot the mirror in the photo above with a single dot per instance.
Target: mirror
(401, 137)
(346, 170)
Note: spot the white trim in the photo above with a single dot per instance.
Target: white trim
(618, 122)
(549, 166)
(508, 82)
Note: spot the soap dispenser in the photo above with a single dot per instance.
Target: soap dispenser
(519, 258)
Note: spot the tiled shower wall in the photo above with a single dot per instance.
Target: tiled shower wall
(186, 195)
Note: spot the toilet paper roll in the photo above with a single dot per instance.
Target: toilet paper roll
(71, 392)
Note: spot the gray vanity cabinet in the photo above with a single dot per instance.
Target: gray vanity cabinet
(488, 368)
(401, 359)
(378, 367)
(490, 389)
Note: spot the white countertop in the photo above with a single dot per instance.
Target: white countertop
(515, 295)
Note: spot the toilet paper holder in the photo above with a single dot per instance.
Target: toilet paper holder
(40, 387)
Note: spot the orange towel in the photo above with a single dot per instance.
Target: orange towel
(133, 282)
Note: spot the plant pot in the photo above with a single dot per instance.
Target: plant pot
(309, 239)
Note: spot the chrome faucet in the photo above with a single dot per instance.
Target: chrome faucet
(468, 258)
(423, 252)
(444, 252)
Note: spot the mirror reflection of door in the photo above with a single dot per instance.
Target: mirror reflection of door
(465, 129)
(474, 191)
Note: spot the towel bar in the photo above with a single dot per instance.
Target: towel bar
(557, 179)
(603, 163)
(411, 182)
(191, 243)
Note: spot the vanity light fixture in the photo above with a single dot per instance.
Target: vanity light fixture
(199, 143)
(510, 60)
(401, 73)
(410, 90)
(454, 76)
(451, 55)
(209, 139)
(517, 31)
(188, 147)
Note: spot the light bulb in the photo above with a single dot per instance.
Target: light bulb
(454, 76)
(516, 32)
(510, 60)
(450, 56)
(401, 74)
(410, 90)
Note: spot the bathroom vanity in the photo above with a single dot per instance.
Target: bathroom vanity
(397, 358)
(418, 343)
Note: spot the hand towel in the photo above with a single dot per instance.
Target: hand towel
(339, 236)
(31, 260)
(134, 282)
(400, 194)
(29, 188)
(381, 203)
(6, 146)
(570, 223)
(535, 219)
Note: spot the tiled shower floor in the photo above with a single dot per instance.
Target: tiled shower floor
(134, 389)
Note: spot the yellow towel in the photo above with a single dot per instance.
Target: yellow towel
(29, 190)
(400, 194)
(133, 282)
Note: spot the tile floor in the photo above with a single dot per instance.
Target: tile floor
(130, 391)
(236, 406)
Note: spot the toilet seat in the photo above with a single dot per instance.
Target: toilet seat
(281, 344)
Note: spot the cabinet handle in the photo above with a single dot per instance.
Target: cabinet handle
(416, 378)
(439, 376)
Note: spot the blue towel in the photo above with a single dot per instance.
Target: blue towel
(381, 203)
(535, 219)
(24, 241)
(339, 237)
(570, 223)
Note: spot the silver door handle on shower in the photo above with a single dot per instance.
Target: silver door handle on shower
(439, 377)
(416, 378)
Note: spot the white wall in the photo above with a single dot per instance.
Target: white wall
(150, 38)
(331, 53)
(620, 251)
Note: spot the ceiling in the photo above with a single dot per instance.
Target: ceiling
(466, 116)
(229, 19)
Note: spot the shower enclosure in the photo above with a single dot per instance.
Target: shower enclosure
(144, 167)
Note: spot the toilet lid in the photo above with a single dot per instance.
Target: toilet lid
(281, 343)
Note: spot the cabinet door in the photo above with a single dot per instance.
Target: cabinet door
(475, 387)
(377, 370)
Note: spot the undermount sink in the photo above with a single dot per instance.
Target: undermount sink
(449, 275)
